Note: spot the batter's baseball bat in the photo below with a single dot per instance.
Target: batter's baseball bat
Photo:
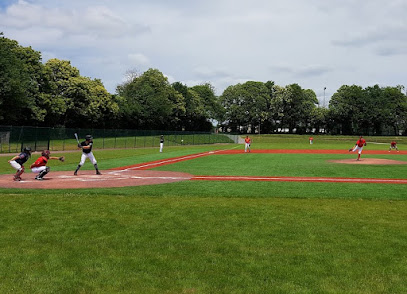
(76, 136)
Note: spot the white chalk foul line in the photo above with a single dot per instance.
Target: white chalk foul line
(300, 179)
(168, 161)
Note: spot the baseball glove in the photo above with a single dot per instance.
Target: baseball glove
(61, 159)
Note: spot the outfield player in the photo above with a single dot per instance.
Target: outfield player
(393, 145)
(247, 143)
(359, 146)
(161, 143)
(87, 153)
(40, 165)
(17, 162)
(311, 140)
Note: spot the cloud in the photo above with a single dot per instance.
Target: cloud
(138, 59)
(305, 71)
(392, 51)
(206, 72)
(314, 43)
(96, 21)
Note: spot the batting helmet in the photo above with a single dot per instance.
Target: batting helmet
(88, 137)
(46, 153)
(27, 150)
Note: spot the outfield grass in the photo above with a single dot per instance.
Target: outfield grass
(210, 237)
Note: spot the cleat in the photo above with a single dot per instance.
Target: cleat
(98, 173)
(349, 150)
(38, 178)
(17, 179)
(75, 173)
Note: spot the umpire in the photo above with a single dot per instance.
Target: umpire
(87, 153)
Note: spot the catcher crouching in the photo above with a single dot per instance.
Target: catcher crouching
(40, 165)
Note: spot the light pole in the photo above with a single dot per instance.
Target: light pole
(324, 96)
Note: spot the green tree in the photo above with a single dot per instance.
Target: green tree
(395, 116)
(20, 78)
(292, 107)
(73, 100)
(150, 102)
(194, 116)
(268, 122)
(59, 75)
(319, 119)
(344, 109)
(245, 105)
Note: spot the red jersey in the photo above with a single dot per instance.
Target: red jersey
(42, 161)
(248, 140)
(393, 143)
(361, 142)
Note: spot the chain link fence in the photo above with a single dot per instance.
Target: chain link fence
(14, 138)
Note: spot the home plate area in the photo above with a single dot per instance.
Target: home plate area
(88, 179)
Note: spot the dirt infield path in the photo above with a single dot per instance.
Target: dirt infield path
(141, 174)
(88, 179)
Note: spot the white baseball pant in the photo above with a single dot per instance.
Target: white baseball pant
(87, 155)
(38, 169)
(15, 165)
(357, 148)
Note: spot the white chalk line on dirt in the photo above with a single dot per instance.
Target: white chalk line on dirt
(114, 177)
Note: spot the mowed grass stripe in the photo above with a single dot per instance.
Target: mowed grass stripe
(289, 165)
(101, 244)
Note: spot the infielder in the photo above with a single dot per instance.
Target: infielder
(393, 145)
(247, 143)
(87, 153)
(17, 162)
(39, 166)
(358, 146)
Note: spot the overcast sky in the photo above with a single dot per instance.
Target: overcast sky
(315, 43)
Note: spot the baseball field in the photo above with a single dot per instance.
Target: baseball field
(288, 217)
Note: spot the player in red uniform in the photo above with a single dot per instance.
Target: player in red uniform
(359, 146)
(393, 145)
(39, 166)
(247, 143)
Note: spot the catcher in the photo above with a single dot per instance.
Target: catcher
(39, 166)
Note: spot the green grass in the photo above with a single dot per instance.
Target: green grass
(293, 165)
(210, 237)
(105, 244)
(323, 142)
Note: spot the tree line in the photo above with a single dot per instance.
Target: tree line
(54, 94)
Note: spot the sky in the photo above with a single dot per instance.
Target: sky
(318, 44)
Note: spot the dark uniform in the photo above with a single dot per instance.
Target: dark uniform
(87, 153)
(161, 143)
(17, 162)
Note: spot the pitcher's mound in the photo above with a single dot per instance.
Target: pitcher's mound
(88, 179)
(369, 161)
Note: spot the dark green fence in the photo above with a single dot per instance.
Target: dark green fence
(13, 138)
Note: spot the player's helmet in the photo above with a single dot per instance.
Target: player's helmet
(46, 153)
(88, 137)
(27, 150)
